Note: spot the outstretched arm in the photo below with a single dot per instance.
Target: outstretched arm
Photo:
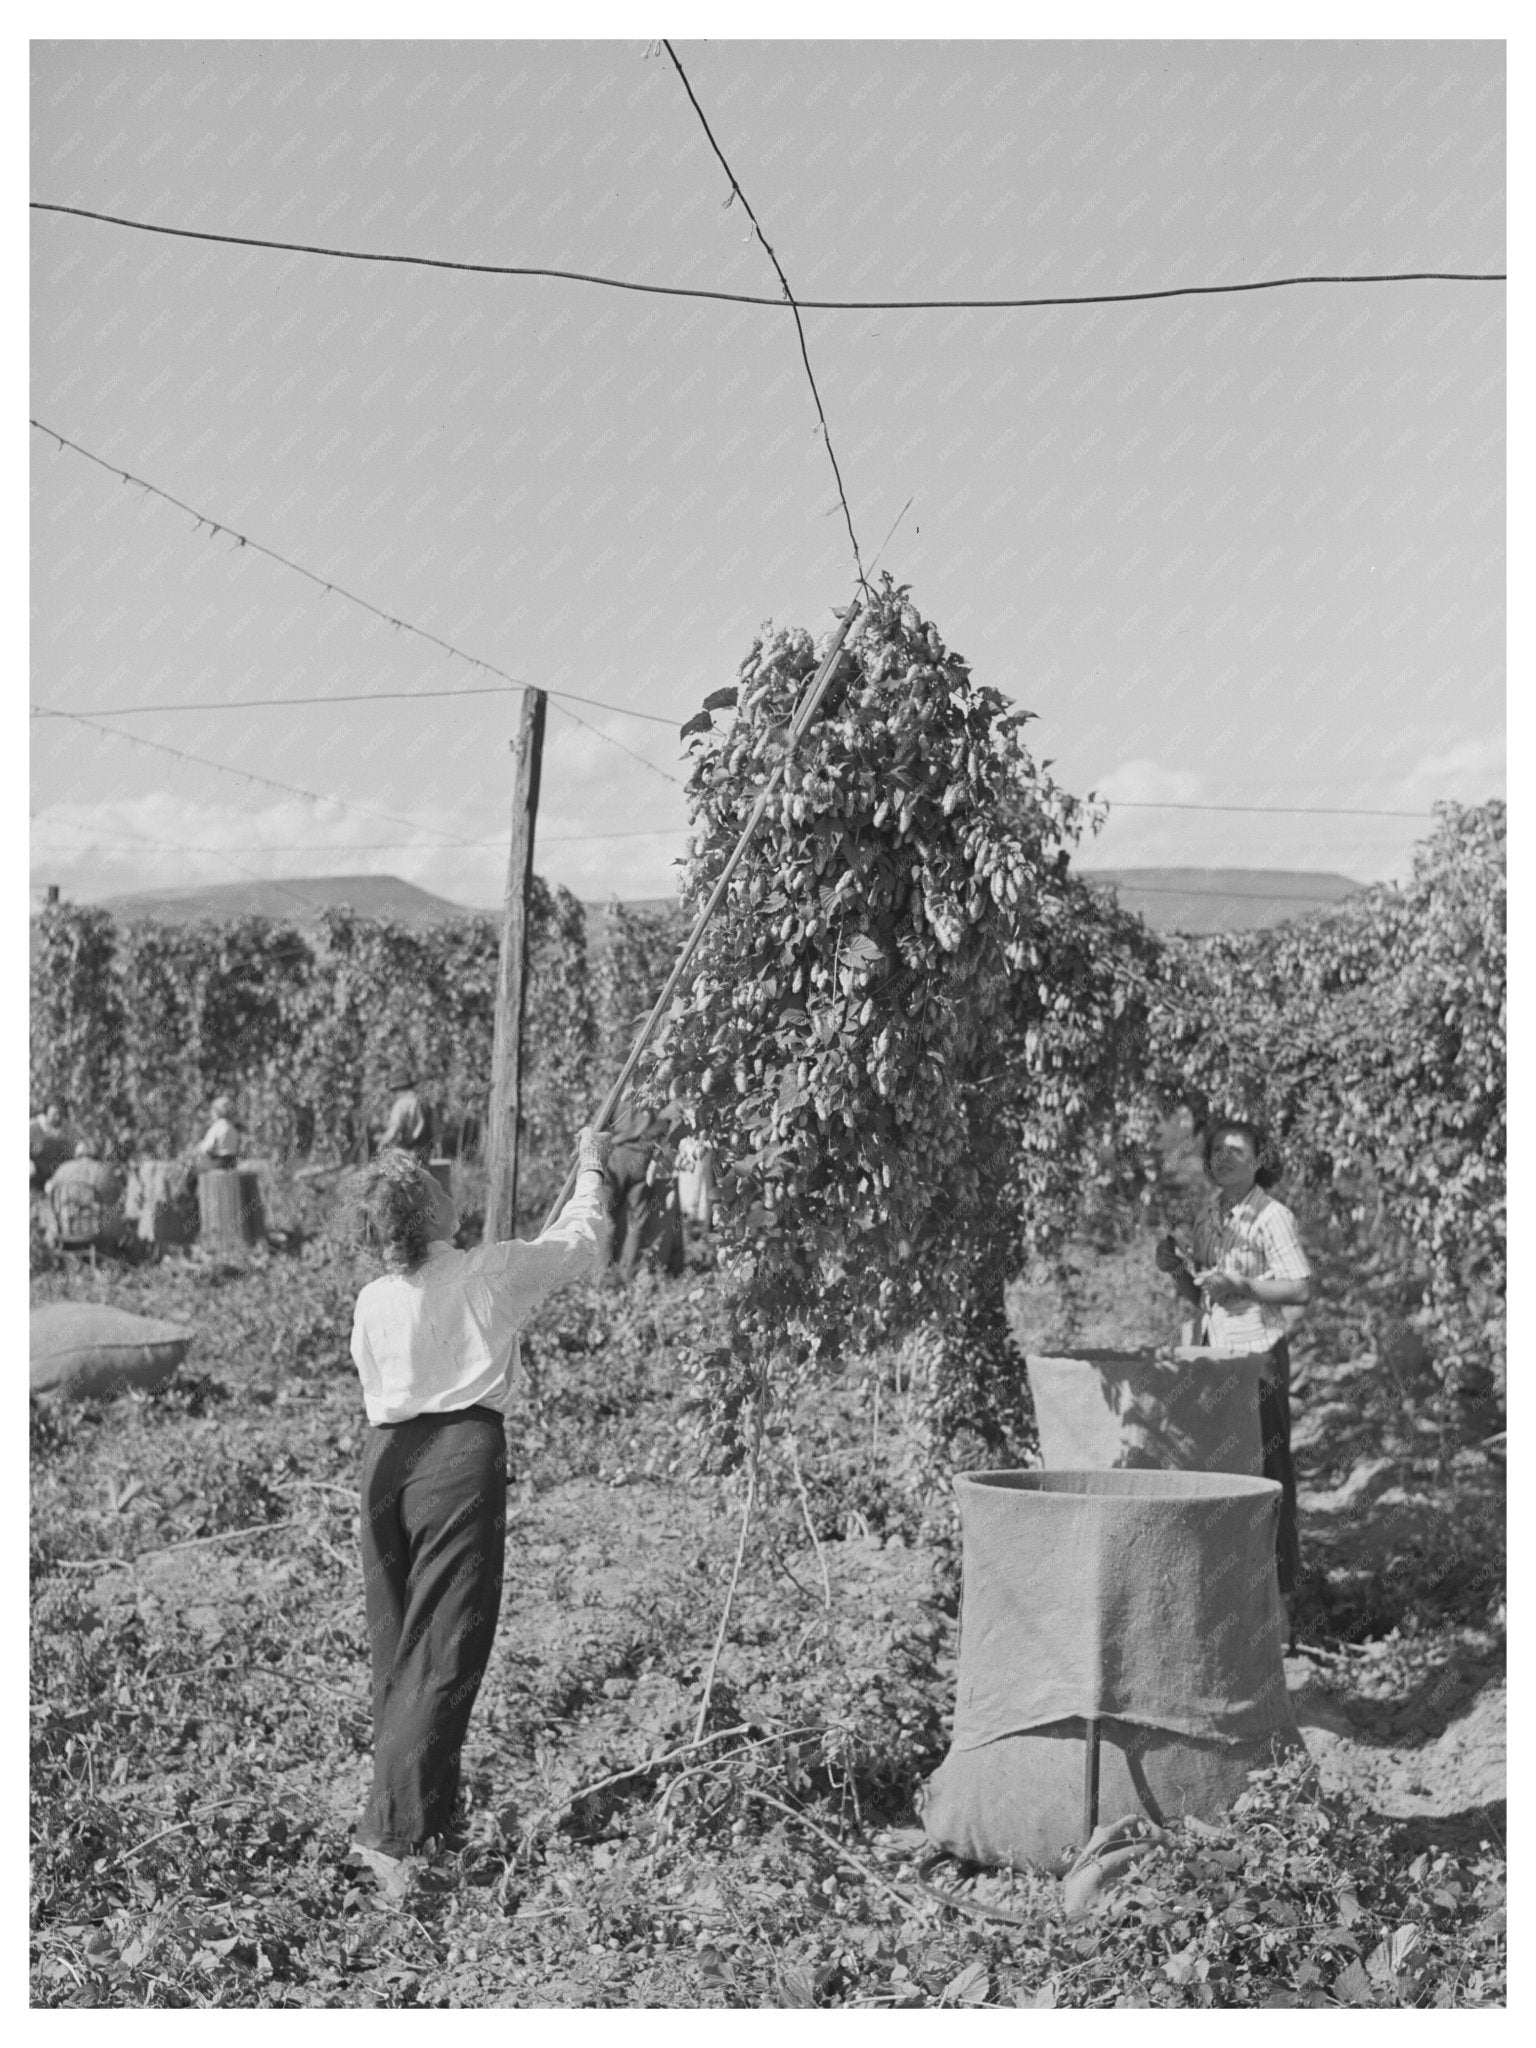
(574, 1247)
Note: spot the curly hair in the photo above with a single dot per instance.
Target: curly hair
(393, 1200)
(1269, 1160)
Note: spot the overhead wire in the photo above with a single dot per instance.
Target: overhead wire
(676, 291)
(339, 846)
(315, 796)
(736, 192)
(345, 697)
(795, 306)
(666, 776)
(455, 839)
(267, 781)
(330, 585)
(561, 698)
(1105, 878)
(1275, 810)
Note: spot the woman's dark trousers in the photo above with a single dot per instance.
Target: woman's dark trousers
(1275, 1430)
(434, 1518)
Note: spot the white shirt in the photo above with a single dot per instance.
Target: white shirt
(1254, 1239)
(444, 1336)
(221, 1140)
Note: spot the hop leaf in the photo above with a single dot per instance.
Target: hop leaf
(1352, 1985)
(967, 1986)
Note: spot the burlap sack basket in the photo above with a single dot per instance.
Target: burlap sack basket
(162, 1202)
(1146, 1600)
(231, 1218)
(82, 1351)
(1194, 1410)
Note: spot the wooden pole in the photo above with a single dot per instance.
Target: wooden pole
(805, 711)
(512, 980)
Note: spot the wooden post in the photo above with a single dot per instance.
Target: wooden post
(512, 981)
(1090, 1777)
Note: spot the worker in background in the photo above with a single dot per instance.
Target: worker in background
(696, 1182)
(85, 1199)
(52, 1139)
(219, 1147)
(1248, 1267)
(409, 1125)
(642, 1191)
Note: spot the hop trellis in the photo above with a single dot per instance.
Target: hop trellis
(903, 917)
(136, 1025)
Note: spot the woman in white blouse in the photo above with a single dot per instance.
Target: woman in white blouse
(219, 1145)
(434, 1340)
(1249, 1268)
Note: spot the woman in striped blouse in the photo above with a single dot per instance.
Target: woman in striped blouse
(1250, 1267)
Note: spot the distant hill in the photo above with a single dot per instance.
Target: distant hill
(299, 901)
(1221, 899)
(1170, 899)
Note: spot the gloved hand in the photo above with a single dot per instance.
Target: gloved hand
(592, 1149)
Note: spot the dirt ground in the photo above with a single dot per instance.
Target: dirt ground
(597, 1575)
(200, 1710)
(596, 1571)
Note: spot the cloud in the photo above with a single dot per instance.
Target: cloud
(1466, 771)
(606, 826)
(609, 825)
(1243, 822)
(1145, 781)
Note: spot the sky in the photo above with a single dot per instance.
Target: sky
(1238, 553)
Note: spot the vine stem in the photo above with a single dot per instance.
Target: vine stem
(783, 1565)
(717, 1764)
(741, 1551)
(176, 1828)
(884, 1884)
(810, 1526)
(669, 1756)
(83, 1564)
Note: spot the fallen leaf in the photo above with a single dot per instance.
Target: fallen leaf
(1352, 1985)
(1389, 1955)
(796, 1988)
(967, 1986)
